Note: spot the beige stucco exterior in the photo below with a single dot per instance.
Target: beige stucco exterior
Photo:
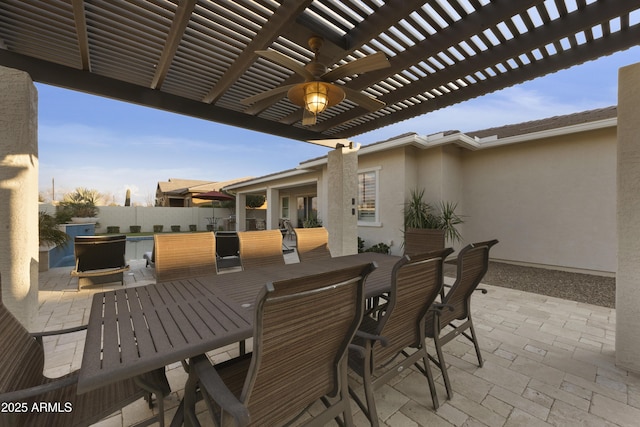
(551, 201)
(549, 197)
(19, 194)
(628, 189)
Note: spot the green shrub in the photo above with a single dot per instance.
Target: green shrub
(381, 248)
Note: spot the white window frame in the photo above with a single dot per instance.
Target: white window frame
(376, 222)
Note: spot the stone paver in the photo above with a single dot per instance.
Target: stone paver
(548, 362)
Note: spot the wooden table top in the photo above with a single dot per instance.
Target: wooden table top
(136, 330)
(243, 286)
(139, 329)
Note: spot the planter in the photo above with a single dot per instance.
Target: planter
(113, 229)
(210, 227)
(421, 240)
(135, 228)
(175, 228)
(193, 227)
(158, 228)
(83, 220)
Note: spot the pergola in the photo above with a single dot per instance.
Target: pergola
(198, 58)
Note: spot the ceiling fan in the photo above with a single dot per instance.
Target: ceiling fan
(318, 93)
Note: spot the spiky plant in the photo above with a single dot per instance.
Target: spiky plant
(420, 214)
(48, 231)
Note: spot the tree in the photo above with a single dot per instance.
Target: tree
(127, 200)
(80, 203)
(255, 201)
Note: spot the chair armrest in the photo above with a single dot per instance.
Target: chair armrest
(216, 388)
(368, 336)
(439, 307)
(26, 393)
(360, 350)
(38, 335)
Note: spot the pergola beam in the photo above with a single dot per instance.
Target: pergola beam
(556, 30)
(178, 26)
(286, 13)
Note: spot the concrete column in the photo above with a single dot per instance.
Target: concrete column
(273, 208)
(628, 220)
(241, 212)
(19, 194)
(342, 221)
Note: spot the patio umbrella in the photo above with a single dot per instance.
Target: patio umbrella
(213, 196)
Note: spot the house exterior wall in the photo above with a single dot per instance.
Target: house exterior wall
(550, 202)
(392, 182)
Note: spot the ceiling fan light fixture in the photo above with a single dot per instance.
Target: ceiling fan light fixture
(316, 96)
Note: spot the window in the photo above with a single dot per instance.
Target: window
(367, 196)
(285, 207)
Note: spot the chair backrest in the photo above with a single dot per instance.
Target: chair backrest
(184, 255)
(97, 252)
(260, 248)
(415, 284)
(302, 329)
(227, 243)
(473, 262)
(421, 240)
(21, 358)
(312, 243)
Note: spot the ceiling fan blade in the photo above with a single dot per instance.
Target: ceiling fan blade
(286, 62)
(365, 101)
(308, 118)
(280, 90)
(334, 143)
(371, 62)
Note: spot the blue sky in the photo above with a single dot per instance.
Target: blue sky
(107, 145)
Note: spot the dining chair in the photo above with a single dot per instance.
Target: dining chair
(379, 350)
(302, 328)
(454, 311)
(260, 248)
(184, 255)
(23, 384)
(421, 240)
(312, 243)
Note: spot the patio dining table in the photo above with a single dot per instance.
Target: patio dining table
(139, 329)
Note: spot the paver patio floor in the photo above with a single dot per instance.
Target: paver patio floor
(548, 361)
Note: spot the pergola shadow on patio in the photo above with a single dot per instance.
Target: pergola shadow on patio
(548, 361)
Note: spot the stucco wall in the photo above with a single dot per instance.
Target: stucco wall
(391, 195)
(550, 202)
(147, 217)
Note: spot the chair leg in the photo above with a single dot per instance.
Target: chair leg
(344, 395)
(429, 375)
(443, 367)
(474, 338)
(372, 412)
